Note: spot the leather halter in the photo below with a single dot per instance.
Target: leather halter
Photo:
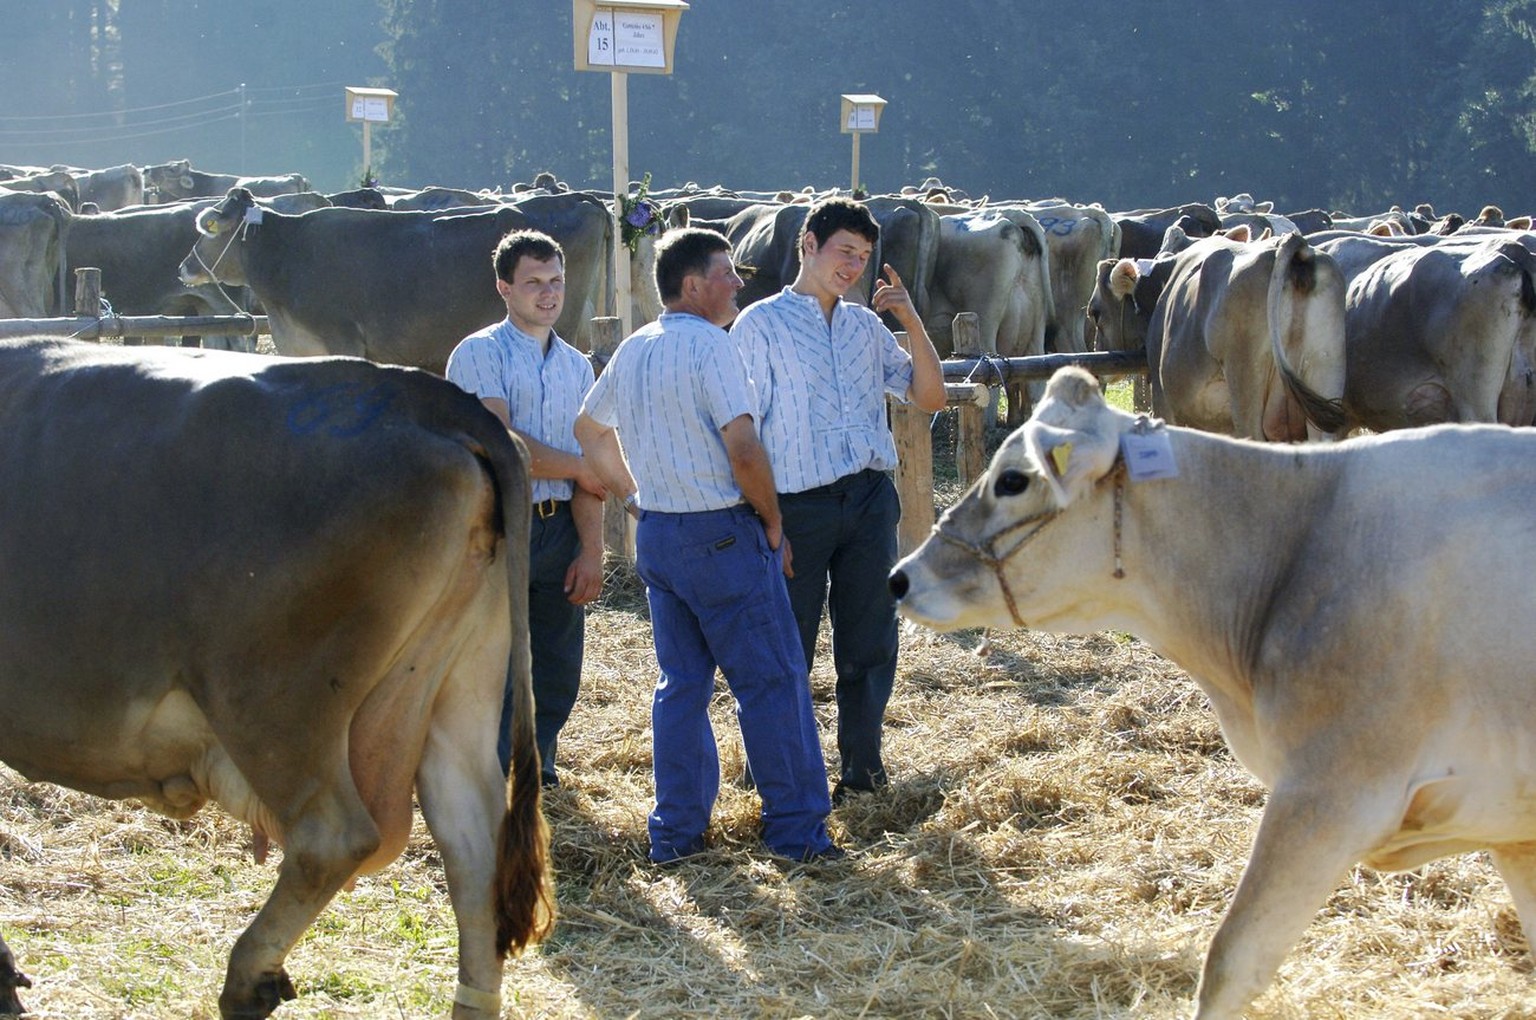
(985, 550)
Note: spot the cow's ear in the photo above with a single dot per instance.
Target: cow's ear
(1069, 460)
(1123, 277)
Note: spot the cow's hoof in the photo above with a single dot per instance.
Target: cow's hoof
(270, 992)
(10, 980)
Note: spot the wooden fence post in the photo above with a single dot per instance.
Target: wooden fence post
(971, 423)
(618, 526)
(88, 292)
(910, 427)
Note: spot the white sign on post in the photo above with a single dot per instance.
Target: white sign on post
(638, 40)
(861, 118)
(370, 108)
(600, 39)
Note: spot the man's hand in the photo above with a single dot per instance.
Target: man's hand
(587, 479)
(584, 578)
(891, 296)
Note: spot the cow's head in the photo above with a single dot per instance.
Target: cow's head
(215, 255)
(1016, 546)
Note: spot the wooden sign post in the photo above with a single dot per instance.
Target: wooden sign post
(620, 37)
(860, 115)
(371, 106)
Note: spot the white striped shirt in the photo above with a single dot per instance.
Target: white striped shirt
(543, 391)
(671, 387)
(821, 387)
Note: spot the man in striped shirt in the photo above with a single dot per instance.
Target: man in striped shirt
(534, 382)
(710, 548)
(822, 367)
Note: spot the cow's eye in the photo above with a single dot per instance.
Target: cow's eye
(1011, 483)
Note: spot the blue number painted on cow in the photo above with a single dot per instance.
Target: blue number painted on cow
(1056, 225)
(341, 411)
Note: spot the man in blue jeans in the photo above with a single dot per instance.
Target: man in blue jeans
(710, 548)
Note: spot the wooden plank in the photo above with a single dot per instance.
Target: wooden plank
(1042, 366)
(92, 328)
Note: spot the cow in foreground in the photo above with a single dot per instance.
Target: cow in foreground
(294, 588)
(1355, 612)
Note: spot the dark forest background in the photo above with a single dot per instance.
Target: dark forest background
(1353, 106)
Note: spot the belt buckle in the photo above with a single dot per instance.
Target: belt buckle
(545, 508)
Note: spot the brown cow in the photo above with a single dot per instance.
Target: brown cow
(303, 605)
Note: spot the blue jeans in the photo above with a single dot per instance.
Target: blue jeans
(717, 598)
(845, 532)
(556, 630)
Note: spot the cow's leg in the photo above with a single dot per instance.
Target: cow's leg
(10, 980)
(1304, 846)
(463, 800)
(322, 850)
(1517, 866)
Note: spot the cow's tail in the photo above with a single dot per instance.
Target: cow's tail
(525, 893)
(1299, 290)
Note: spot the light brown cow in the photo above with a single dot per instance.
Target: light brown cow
(1355, 611)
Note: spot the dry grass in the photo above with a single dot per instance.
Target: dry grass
(1064, 831)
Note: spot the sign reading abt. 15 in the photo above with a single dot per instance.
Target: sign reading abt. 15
(626, 35)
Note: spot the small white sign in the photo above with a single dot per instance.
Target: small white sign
(370, 108)
(1148, 455)
(600, 39)
(638, 40)
(861, 118)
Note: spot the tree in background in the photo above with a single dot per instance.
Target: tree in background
(1353, 106)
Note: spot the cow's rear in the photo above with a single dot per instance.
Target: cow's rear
(294, 588)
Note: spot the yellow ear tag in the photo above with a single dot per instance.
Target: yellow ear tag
(1060, 456)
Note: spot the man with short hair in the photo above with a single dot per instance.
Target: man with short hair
(710, 548)
(534, 382)
(822, 367)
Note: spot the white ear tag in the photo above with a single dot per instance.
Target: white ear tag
(1148, 453)
(253, 214)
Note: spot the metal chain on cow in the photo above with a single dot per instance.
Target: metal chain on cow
(986, 549)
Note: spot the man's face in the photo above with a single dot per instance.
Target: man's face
(838, 264)
(535, 296)
(718, 297)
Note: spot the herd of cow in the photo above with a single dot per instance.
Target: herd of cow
(1388, 321)
(361, 651)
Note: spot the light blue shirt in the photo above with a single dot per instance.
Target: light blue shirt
(543, 391)
(671, 387)
(821, 387)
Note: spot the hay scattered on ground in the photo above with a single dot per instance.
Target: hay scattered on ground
(1064, 830)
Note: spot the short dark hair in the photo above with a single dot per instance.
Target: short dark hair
(535, 244)
(830, 215)
(683, 252)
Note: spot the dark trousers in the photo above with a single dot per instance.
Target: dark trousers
(556, 630)
(843, 539)
(717, 598)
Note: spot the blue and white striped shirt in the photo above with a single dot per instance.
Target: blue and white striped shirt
(671, 387)
(821, 387)
(543, 391)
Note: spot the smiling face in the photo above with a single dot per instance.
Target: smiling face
(828, 270)
(535, 295)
